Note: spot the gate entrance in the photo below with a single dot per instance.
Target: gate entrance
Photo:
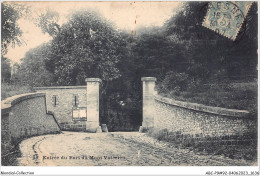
(121, 105)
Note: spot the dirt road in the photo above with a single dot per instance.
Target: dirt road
(110, 149)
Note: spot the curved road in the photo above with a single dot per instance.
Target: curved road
(111, 149)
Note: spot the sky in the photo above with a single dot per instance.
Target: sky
(125, 16)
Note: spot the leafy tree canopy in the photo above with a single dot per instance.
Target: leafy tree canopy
(48, 22)
(11, 32)
(86, 46)
(33, 71)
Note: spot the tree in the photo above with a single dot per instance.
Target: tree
(32, 70)
(87, 46)
(5, 69)
(47, 21)
(11, 32)
(212, 55)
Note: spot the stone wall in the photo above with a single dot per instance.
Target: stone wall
(200, 120)
(75, 107)
(65, 101)
(24, 116)
(194, 119)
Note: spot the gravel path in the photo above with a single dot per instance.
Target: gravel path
(111, 149)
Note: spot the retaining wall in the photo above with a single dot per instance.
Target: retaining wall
(200, 120)
(24, 116)
(192, 119)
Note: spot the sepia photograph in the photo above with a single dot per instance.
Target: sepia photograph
(129, 83)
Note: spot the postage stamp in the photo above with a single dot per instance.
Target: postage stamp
(226, 18)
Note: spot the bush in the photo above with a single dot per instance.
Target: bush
(175, 82)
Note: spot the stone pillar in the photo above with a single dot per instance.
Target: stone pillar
(148, 102)
(92, 124)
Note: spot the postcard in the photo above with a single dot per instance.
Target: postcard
(129, 83)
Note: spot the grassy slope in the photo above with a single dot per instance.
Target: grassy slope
(241, 96)
(8, 90)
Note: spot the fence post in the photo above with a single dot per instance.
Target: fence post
(92, 124)
(148, 102)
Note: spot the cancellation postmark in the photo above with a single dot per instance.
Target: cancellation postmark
(226, 17)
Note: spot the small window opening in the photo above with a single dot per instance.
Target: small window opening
(54, 100)
(75, 100)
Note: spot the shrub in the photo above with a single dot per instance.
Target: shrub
(175, 81)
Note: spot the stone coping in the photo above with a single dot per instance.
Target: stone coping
(203, 108)
(10, 101)
(60, 87)
(93, 80)
(148, 79)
